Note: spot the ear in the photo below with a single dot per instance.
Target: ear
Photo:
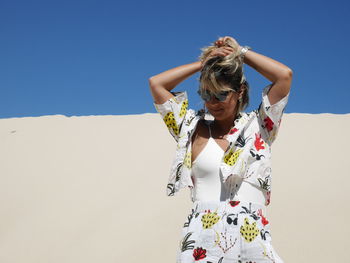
(241, 92)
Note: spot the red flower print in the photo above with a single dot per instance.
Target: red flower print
(264, 221)
(232, 131)
(234, 203)
(259, 143)
(268, 123)
(199, 253)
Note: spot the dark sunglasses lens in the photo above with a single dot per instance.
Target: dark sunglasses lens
(222, 96)
(204, 95)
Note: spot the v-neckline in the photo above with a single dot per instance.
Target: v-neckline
(210, 137)
(205, 147)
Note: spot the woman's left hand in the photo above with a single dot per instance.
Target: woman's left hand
(221, 51)
(222, 41)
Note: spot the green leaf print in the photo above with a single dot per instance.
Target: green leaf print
(186, 244)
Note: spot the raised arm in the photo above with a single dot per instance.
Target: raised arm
(279, 74)
(276, 72)
(161, 84)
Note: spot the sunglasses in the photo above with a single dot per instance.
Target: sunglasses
(207, 95)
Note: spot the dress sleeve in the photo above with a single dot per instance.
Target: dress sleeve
(173, 112)
(270, 116)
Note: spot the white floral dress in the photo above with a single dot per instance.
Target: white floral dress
(248, 158)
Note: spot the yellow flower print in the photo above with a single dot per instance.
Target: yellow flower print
(187, 160)
(209, 219)
(170, 122)
(231, 157)
(183, 108)
(249, 231)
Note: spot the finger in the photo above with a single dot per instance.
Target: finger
(220, 40)
(221, 49)
(218, 54)
(228, 48)
(218, 43)
(224, 51)
(228, 52)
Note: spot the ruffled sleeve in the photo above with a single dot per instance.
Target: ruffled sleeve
(271, 115)
(173, 112)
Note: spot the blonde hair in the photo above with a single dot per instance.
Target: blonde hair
(224, 73)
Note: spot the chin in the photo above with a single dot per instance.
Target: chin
(217, 113)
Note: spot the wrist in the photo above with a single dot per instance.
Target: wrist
(201, 64)
(243, 51)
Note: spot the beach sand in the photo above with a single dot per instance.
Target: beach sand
(92, 189)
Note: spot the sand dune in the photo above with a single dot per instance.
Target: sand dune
(92, 189)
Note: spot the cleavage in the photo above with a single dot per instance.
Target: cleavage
(203, 140)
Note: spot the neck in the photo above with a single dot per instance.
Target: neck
(224, 126)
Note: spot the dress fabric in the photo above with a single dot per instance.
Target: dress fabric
(219, 229)
(228, 221)
(226, 232)
(208, 179)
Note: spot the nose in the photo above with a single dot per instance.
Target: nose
(213, 104)
(213, 100)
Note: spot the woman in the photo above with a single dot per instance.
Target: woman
(225, 161)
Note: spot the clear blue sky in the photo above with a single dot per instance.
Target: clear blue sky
(95, 57)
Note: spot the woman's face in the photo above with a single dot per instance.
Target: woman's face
(223, 109)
